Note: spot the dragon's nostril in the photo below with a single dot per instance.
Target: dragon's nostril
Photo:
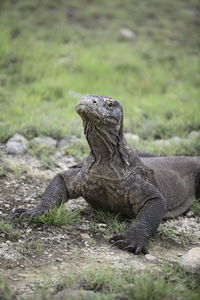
(94, 101)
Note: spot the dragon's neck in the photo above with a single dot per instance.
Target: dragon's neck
(110, 155)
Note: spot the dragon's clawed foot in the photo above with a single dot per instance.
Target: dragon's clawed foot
(21, 213)
(131, 241)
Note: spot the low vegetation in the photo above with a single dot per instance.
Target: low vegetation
(170, 236)
(58, 216)
(44, 153)
(106, 222)
(30, 247)
(5, 291)
(169, 282)
(8, 230)
(196, 208)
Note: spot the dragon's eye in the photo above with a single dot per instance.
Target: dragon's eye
(109, 103)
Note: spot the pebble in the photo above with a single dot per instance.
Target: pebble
(189, 214)
(17, 144)
(68, 140)
(190, 261)
(133, 137)
(101, 225)
(45, 141)
(151, 258)
(127, 34)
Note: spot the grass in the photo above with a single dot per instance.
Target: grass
(170, 236)
(170, 282)
(7, 168)
(78, 149)
(58, 216)
(5, 291)
(112, 222)
(44, 153)
(30, 247)
(186, 146)
(48, 50)
(196, 208)
(8, 230)
(4, 168)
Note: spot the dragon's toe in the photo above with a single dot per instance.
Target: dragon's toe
(130, 242)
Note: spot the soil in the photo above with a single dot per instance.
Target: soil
(41, 253)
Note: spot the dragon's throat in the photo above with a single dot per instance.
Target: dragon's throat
(107, 159)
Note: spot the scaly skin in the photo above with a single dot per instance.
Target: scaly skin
(114, 178)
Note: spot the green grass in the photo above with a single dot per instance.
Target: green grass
(196, 208)
(4, 168)
(8, 230)
(78, 149)
(6, 292)
(7, 168)
(169, 236)
(44, 153)
(187, 147)
(29, 247)
(48, 49)
(111, 222)
(58, 216)
(170, 282)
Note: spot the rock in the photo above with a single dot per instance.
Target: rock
(65, 162)
(75, 294)
(151, 258)
(17, 144)
(68, 140)
(190, 262)
(45, 141)
(101, 225)
(189, 214)
(127, 34)
(194, 134)
(133, 137)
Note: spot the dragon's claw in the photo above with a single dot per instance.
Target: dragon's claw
(129, 241)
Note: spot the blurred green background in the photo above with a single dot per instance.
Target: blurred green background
(145, 53)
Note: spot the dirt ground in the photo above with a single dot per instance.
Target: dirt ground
(41, 254)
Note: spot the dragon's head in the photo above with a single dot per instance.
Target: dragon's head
(100, 111)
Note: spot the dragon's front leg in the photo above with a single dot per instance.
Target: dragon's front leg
(135, 239)
(55, 194)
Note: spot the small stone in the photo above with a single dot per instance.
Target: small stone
(127, 34)
(133, 137)
(190, 261)
(17, 144)
(101, 225)
(68, 140)
(45, 141)
(151, 258)
(189, 214)
(194, 134)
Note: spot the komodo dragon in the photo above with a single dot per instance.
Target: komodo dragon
(114, 178)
